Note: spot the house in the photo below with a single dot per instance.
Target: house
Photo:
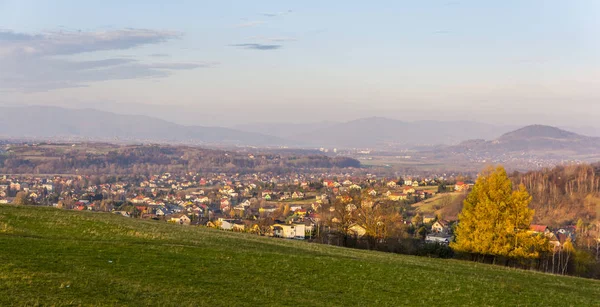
(162, 211)
(297, 195)
(538, 228)
(239, 226)
(357, 231)
(422, 194)
(408, 182)
(293, 208)
(553, 240)
(428, 218)
(180, 219)
(203, 199)
(397, 196)
(289, 231)
(408, 190)
(309, 227)
(440, 226)
(354, 187)
(226, 224)
(225, 204)
(200, 222)
(138, 199)
(391, 184)
(438, 238)
(330, 184)
(461, 186)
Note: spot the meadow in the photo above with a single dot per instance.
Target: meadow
(57, 257)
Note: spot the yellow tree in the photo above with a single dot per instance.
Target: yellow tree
(495, 219)
(286, 210)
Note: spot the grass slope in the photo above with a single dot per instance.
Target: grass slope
(56, 257)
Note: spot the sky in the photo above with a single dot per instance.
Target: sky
(223, 63)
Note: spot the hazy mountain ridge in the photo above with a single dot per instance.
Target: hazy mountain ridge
(51, 122)
(372, 132)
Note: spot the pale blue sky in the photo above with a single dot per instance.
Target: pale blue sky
(247, 61)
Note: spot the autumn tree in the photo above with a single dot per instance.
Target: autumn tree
(286, 210)
(495, 220)
(21, 199)
(342, 216)
(371, 216)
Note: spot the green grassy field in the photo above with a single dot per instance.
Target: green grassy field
(55, 257)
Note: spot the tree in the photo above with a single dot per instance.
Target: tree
(568, 249)
(445, 200)
(342, 217)
(21, 199)
(417, 220)
(286, 210)
(495, 220)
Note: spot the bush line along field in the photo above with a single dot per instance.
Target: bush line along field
(56, 257)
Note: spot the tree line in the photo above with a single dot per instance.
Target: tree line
(147, 160)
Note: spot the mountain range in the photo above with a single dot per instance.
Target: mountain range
(45, 122)
(88, 124)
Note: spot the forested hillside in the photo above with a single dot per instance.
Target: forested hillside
(563, 194)
(95, 158)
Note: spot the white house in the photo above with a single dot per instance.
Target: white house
(226, 224)
(289, 231)
(436, 238)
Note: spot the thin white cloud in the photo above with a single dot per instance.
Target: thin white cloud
(276, 14)
(248, 24)
(67, 43)
(257, 46)
(29, 61)
(275, 39)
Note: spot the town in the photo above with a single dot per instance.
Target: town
(295, 206)
(229, 202)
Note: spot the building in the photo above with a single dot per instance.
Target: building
(289, 231)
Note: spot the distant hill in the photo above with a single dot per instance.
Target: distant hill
(385, 132)
(538, 140)
(54, 122)
(534, 132)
